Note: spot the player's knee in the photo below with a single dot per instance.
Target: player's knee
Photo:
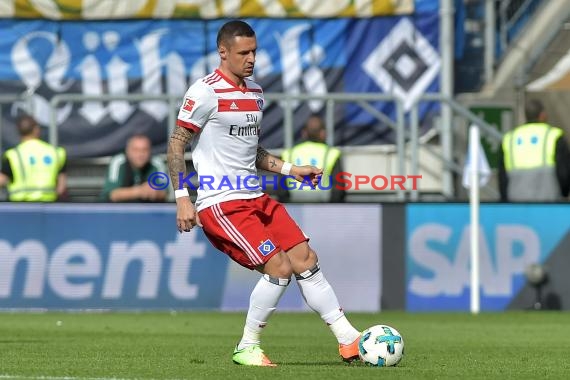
(303, 258)
(309, 272)
(283, 271)
(278, 266)
(312, 258)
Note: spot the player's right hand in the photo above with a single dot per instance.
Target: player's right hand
(186, 215)
(307, 174)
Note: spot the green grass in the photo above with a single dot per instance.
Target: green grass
(199, 346)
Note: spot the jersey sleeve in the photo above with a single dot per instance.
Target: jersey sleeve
(197, 107)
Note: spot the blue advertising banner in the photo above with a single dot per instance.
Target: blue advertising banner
(158, 57)
(133, 257)
(511, 237)
(105, 258)
(399, 57)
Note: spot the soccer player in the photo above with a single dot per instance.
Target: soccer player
(221, 116)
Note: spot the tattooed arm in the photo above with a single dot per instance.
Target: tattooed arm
(175, 156)
(264, 160)
(186, 215)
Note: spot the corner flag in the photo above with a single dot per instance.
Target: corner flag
(476, 171)
(482, 165)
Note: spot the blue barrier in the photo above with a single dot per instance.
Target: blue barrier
(133, 257)
(512, 236)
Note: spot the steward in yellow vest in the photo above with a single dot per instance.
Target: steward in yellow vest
(34, 171)
(534, 160)
(314, 151)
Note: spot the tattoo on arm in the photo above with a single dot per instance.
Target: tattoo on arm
(183, 134)
(175, 155)
(261, 154)
(264, 160)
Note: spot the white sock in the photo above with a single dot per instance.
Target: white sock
(320, 297)
(345, 333)
(262, 304)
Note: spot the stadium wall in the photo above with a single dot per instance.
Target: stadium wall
(412, 257)
(132, 257)
(512, 236)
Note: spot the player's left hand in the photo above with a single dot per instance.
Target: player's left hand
(186, 215)
(307, 173)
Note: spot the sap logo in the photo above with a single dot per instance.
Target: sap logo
(516, 246)
(73, 268)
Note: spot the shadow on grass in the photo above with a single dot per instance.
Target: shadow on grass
(323, 363)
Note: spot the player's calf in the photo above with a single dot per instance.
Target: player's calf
(319, 295)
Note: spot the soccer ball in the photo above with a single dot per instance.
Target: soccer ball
(381, 346)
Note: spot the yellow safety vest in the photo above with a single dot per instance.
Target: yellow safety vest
(529, 156)
(316, 154)
(35, 166)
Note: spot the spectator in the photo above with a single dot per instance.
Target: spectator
(128, 174)
(534, 160)
(315, 152)
(33, 171)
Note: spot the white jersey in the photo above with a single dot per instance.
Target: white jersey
(227, 120)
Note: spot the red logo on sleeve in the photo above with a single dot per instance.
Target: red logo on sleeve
(188, 105)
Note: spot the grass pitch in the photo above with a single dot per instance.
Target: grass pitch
(512, 345)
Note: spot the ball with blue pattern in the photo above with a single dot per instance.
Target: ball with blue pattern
(381, 346)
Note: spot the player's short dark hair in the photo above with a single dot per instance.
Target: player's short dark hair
(26, 125)
(234, 28)
(532, 110)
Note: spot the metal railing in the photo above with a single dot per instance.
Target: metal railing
(404, 136)
(286, 101)
(513, 14)
(486, 130)
(172, 100)
(504, 19)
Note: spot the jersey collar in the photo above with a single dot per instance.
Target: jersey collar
(231, 82)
